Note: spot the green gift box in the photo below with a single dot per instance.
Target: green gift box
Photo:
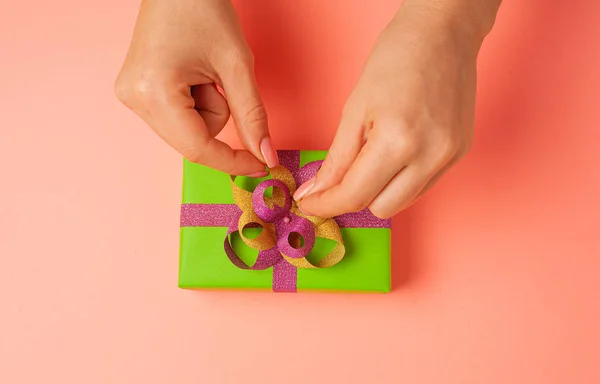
(209, 209)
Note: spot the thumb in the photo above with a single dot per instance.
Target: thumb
(345, 148)
(249, 114)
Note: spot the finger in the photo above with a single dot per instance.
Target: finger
(376, 164)
(434, 180)
(346, 146)
(446, 159)
(212, 107)
(249, 114)
(400, 192)
(180, 125)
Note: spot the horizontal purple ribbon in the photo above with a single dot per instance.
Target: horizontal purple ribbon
(219, 215)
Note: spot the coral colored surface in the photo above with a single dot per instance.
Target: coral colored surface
(496, 271)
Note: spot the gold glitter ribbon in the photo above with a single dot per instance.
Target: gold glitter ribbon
(324, 228)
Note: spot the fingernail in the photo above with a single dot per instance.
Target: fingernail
(269, 153)
(304, 189)
(258, 174)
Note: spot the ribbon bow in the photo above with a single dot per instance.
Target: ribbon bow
(287, 235)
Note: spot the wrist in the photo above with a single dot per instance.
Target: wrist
(470, 21)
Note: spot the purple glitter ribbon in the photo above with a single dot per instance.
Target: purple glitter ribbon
(285, 222)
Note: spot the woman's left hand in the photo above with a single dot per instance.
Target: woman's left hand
(408, 120)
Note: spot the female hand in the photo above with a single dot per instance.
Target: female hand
(409, 118)
(180, 51)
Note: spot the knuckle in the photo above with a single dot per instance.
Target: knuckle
(148, 91)
(192, 154)
(357, 204)
(401, 123)
(121, 90)
(221, 120)
(398, 146)
(124, 91)
(400, 136)
(234, 165)
(443, 144)
(254, 112)
(144, 88)
(447, 149)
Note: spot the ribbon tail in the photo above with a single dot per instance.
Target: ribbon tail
(285, 277)
(289, 160)
(301, 175)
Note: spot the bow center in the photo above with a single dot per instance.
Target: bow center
(281, 201)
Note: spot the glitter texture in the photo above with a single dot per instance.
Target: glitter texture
(362, 219)
(308, 171)
(279, 217)
(273, 211)
(285, 276)
(208, 215)
(289, 160)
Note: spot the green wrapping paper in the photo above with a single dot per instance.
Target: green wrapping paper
(204, 263)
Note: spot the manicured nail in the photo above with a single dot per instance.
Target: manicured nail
(304, 189)
(269, 153)
(258, 174)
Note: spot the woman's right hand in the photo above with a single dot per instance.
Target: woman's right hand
(180, 51)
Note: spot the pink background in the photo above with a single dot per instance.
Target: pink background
(495, 271)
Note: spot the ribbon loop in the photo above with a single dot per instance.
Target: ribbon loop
(265, 240)
(300, 226)
(266, 258)
(279, 208)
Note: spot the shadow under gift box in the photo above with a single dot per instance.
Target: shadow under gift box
(205, 265)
